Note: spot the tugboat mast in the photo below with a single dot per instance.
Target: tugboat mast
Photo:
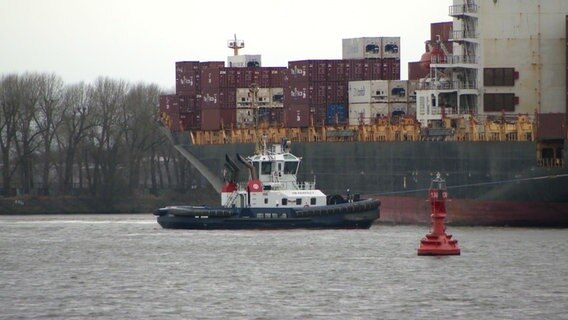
(235, 45)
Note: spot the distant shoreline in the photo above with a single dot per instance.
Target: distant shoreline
(36, 205)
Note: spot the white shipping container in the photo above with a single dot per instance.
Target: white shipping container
(263, 97)
(362, 48)
(398, 109)
(359, 91)
(368, 91)
(412, 86)
(398, 91)
(242, 61)
(391, 47)
(245, 98)
(276, 97)
(379, 90)
(359, 113)
(412, 108)
(245, 117)
(379, 110)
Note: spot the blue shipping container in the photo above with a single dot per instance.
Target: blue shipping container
(336, 112)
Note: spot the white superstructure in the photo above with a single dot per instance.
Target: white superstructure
(508, 56)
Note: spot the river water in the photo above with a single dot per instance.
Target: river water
(127, 267)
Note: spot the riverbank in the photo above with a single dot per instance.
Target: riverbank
(87, 205)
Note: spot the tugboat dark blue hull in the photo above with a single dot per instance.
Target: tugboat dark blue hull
(352, 215)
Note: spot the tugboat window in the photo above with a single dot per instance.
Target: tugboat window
(284, 202)
(298, 201)
(313, 201)
(290, 167)
(266, 167)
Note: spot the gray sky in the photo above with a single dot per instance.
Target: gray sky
(140, 40)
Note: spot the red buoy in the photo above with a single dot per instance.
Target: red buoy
(438, 242)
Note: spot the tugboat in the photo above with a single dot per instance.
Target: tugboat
(272, 199)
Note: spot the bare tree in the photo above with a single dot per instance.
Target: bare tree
(9, 105)
(73, 131)
(107, 98)
(48, 118)
(27, 141)
(139, 129)
(102, 134)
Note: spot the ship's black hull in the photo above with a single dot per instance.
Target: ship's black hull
(343, 216)
(493, 183)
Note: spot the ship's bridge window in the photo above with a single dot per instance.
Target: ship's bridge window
(290, 167)
(312, 201)
(284, 201)
(299, 201)
(265, 167)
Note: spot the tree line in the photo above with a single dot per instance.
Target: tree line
(99, 139)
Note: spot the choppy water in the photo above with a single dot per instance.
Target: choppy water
(127, 267)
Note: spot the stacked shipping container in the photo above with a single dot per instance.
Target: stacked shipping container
(316, 90)
(372, 99)
(210, 96)
(225, 93)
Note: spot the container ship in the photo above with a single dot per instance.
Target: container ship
(485, 107)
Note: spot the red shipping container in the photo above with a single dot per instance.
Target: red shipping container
(211, 64)
(231, 77)
(224, 98)
(173, 122)
(272, 116)
(308, 70)
(215, 119)
(187, 103)
(210, 119)
(169, 103)
(210, 98)
(440, 29)
(210, 78)
(190, 121)
(372, 69)
(337, 93)
(297, 116)
(336, 70)
(416, 71)
(318, 114)
(228, 98)
(391, 69)
(354, 69)
(277, 77)
(247, 76)
(306, 93)
(551, 126)
(184, 66)
(219, 78)
(264, 78)
(228, 118)
(187, 77)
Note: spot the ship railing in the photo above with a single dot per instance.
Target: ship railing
(306, 185)
(550, 163)
(446, 85)
(463, 34)
(461, 9)
(454, 59)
